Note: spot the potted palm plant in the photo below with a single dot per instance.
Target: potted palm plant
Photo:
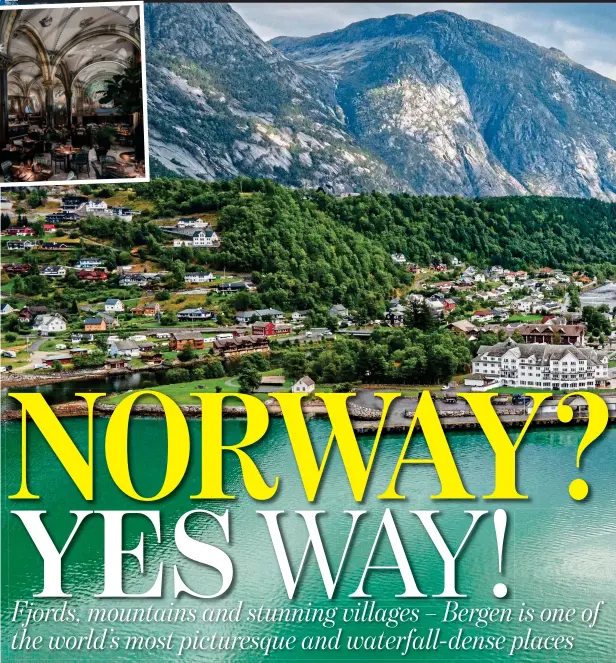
(105, 136)
(124, 91)
(52, 136)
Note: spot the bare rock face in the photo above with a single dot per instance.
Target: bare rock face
(223, 103)
(433, 104)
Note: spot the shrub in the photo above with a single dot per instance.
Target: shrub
(187, 354)
(198, 373)
(175, 375)
(214, 369)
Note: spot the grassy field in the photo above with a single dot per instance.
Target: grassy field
(17, 344)
(180, 392)
(180, 302)
(50, 345)
(525, 318)
(15, 363)
(124, 198)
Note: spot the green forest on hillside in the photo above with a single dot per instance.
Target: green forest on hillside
(308, 249)
(515, 232)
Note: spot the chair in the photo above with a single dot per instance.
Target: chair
(43, 160)
(108, 161)
(56, 159)
(6, 170)
(80, 161)
(97, 172)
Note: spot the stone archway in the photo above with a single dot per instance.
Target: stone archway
(43, 45)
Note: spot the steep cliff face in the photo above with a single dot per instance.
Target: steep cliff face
(408, 105)
(222, 103)
(431, 104)
(493, 110)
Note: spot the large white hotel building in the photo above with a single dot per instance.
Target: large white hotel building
(540, 366)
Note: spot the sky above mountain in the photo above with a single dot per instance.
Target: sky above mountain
(584, 31)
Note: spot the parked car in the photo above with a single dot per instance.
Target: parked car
(41, 367)
(308, 334)
(9, 353)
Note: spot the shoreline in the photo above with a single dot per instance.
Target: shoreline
(364, 420)
(12, 380)
(80, 409)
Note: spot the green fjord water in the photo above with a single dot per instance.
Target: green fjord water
(558, 553)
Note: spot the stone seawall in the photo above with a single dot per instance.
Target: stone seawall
(364, 420)
(80, 409)
(17, 380)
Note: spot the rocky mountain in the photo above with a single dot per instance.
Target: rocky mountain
(221, 103)
(433, 104)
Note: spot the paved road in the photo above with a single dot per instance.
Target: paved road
(395, 415)
(36, 357)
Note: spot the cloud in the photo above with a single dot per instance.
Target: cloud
(584, 32)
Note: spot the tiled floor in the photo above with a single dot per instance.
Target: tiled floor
(61, 175)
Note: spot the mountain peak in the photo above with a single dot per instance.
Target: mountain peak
(433, 104)
(369, 28)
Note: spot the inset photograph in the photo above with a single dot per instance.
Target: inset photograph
(72, 103)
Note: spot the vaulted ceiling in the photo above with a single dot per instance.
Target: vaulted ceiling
(67, 45)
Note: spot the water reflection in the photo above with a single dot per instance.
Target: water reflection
(63, 392)
(559, 553)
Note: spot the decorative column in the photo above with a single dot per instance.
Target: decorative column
(79, 98)
(135, 29)
(4, 100)
(49, 104)
(68, 95)
(138, 116)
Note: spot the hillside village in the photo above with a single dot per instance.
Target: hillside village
(74, 298)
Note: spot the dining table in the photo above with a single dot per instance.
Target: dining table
(68, 152)
(27, 173)
(120, 168)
